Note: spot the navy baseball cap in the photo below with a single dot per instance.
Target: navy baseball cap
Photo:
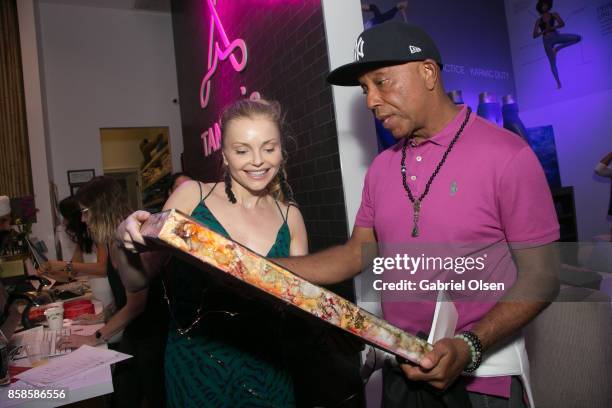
(389, 43)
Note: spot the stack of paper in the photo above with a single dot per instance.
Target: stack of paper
(75, 364)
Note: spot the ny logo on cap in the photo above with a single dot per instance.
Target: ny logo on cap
(414, 49)
(358, 54)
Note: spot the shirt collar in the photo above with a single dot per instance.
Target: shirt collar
(444, 137)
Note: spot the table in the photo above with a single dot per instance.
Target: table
(96, 383)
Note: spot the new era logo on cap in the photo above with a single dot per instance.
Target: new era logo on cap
(414, 49)
(358, 54)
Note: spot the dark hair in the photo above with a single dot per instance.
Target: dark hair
(75, 228)
(172, 180)
(541, 3)
(107, 204)
(278, 188)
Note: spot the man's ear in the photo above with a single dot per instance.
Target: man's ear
(430, 72)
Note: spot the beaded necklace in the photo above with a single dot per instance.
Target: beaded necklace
(416, 202)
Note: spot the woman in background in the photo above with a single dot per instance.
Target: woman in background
(138, 382)
(175, 181)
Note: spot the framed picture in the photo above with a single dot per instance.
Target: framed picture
(80, 176)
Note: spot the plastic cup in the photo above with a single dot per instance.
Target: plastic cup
(38, 353)
(55, 318)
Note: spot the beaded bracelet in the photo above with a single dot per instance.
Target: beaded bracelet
(475, 346)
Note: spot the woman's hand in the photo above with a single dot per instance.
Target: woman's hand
(60, 275)
(89, 318)
(128, 232)
(75, 341)
(53, 266)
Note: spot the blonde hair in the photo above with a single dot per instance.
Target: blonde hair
(107, 206)
(278, 188)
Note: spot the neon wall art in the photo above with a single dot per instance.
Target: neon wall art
(220, 48)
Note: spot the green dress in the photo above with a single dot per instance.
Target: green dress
(233, 356)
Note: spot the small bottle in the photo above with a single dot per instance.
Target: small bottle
(5, 377)
(456, 97)
(512, 122)
(488, 108)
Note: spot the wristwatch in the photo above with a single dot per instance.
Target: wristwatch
(99, 338)
(69, 269)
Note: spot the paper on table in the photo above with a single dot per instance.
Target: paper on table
(85, 329)
(89, 378)
(59, 369)
(30, 336)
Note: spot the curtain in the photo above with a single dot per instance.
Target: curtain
(15, 169)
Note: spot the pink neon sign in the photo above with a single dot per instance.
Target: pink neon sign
(211, 138)
(216, 52)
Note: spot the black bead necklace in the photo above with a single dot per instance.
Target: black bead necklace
(416, 202)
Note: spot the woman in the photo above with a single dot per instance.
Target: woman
(138, 382)
(546, 26)
(175, 181)
(82, 256)
(224, 349)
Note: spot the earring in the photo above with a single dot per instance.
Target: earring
(228, 187)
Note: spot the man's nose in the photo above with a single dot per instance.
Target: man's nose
(373, 99)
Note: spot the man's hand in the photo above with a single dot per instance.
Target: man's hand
(441, 367)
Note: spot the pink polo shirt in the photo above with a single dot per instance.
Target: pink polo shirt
(491, 190)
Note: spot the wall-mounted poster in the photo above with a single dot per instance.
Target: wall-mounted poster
(542, 141)
(76, 178)
(561, 49)
(80, 176)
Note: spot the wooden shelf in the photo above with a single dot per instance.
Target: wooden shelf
(155, 158)
(156, 179)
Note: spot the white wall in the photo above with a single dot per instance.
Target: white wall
(581, 111)
(105, 68)
(581, 140)
(43, 229)
(356, 133)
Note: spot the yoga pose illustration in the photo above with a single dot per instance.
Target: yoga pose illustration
(546, 26)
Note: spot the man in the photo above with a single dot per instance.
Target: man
(451, 178)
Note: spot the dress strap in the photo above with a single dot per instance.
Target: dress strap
(200, 187)
(283, 216)
(287, 213)
(207, 194)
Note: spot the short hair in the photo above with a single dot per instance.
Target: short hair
(541, 3)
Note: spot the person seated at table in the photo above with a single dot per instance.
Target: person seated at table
(9, 314)
(142, 315)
